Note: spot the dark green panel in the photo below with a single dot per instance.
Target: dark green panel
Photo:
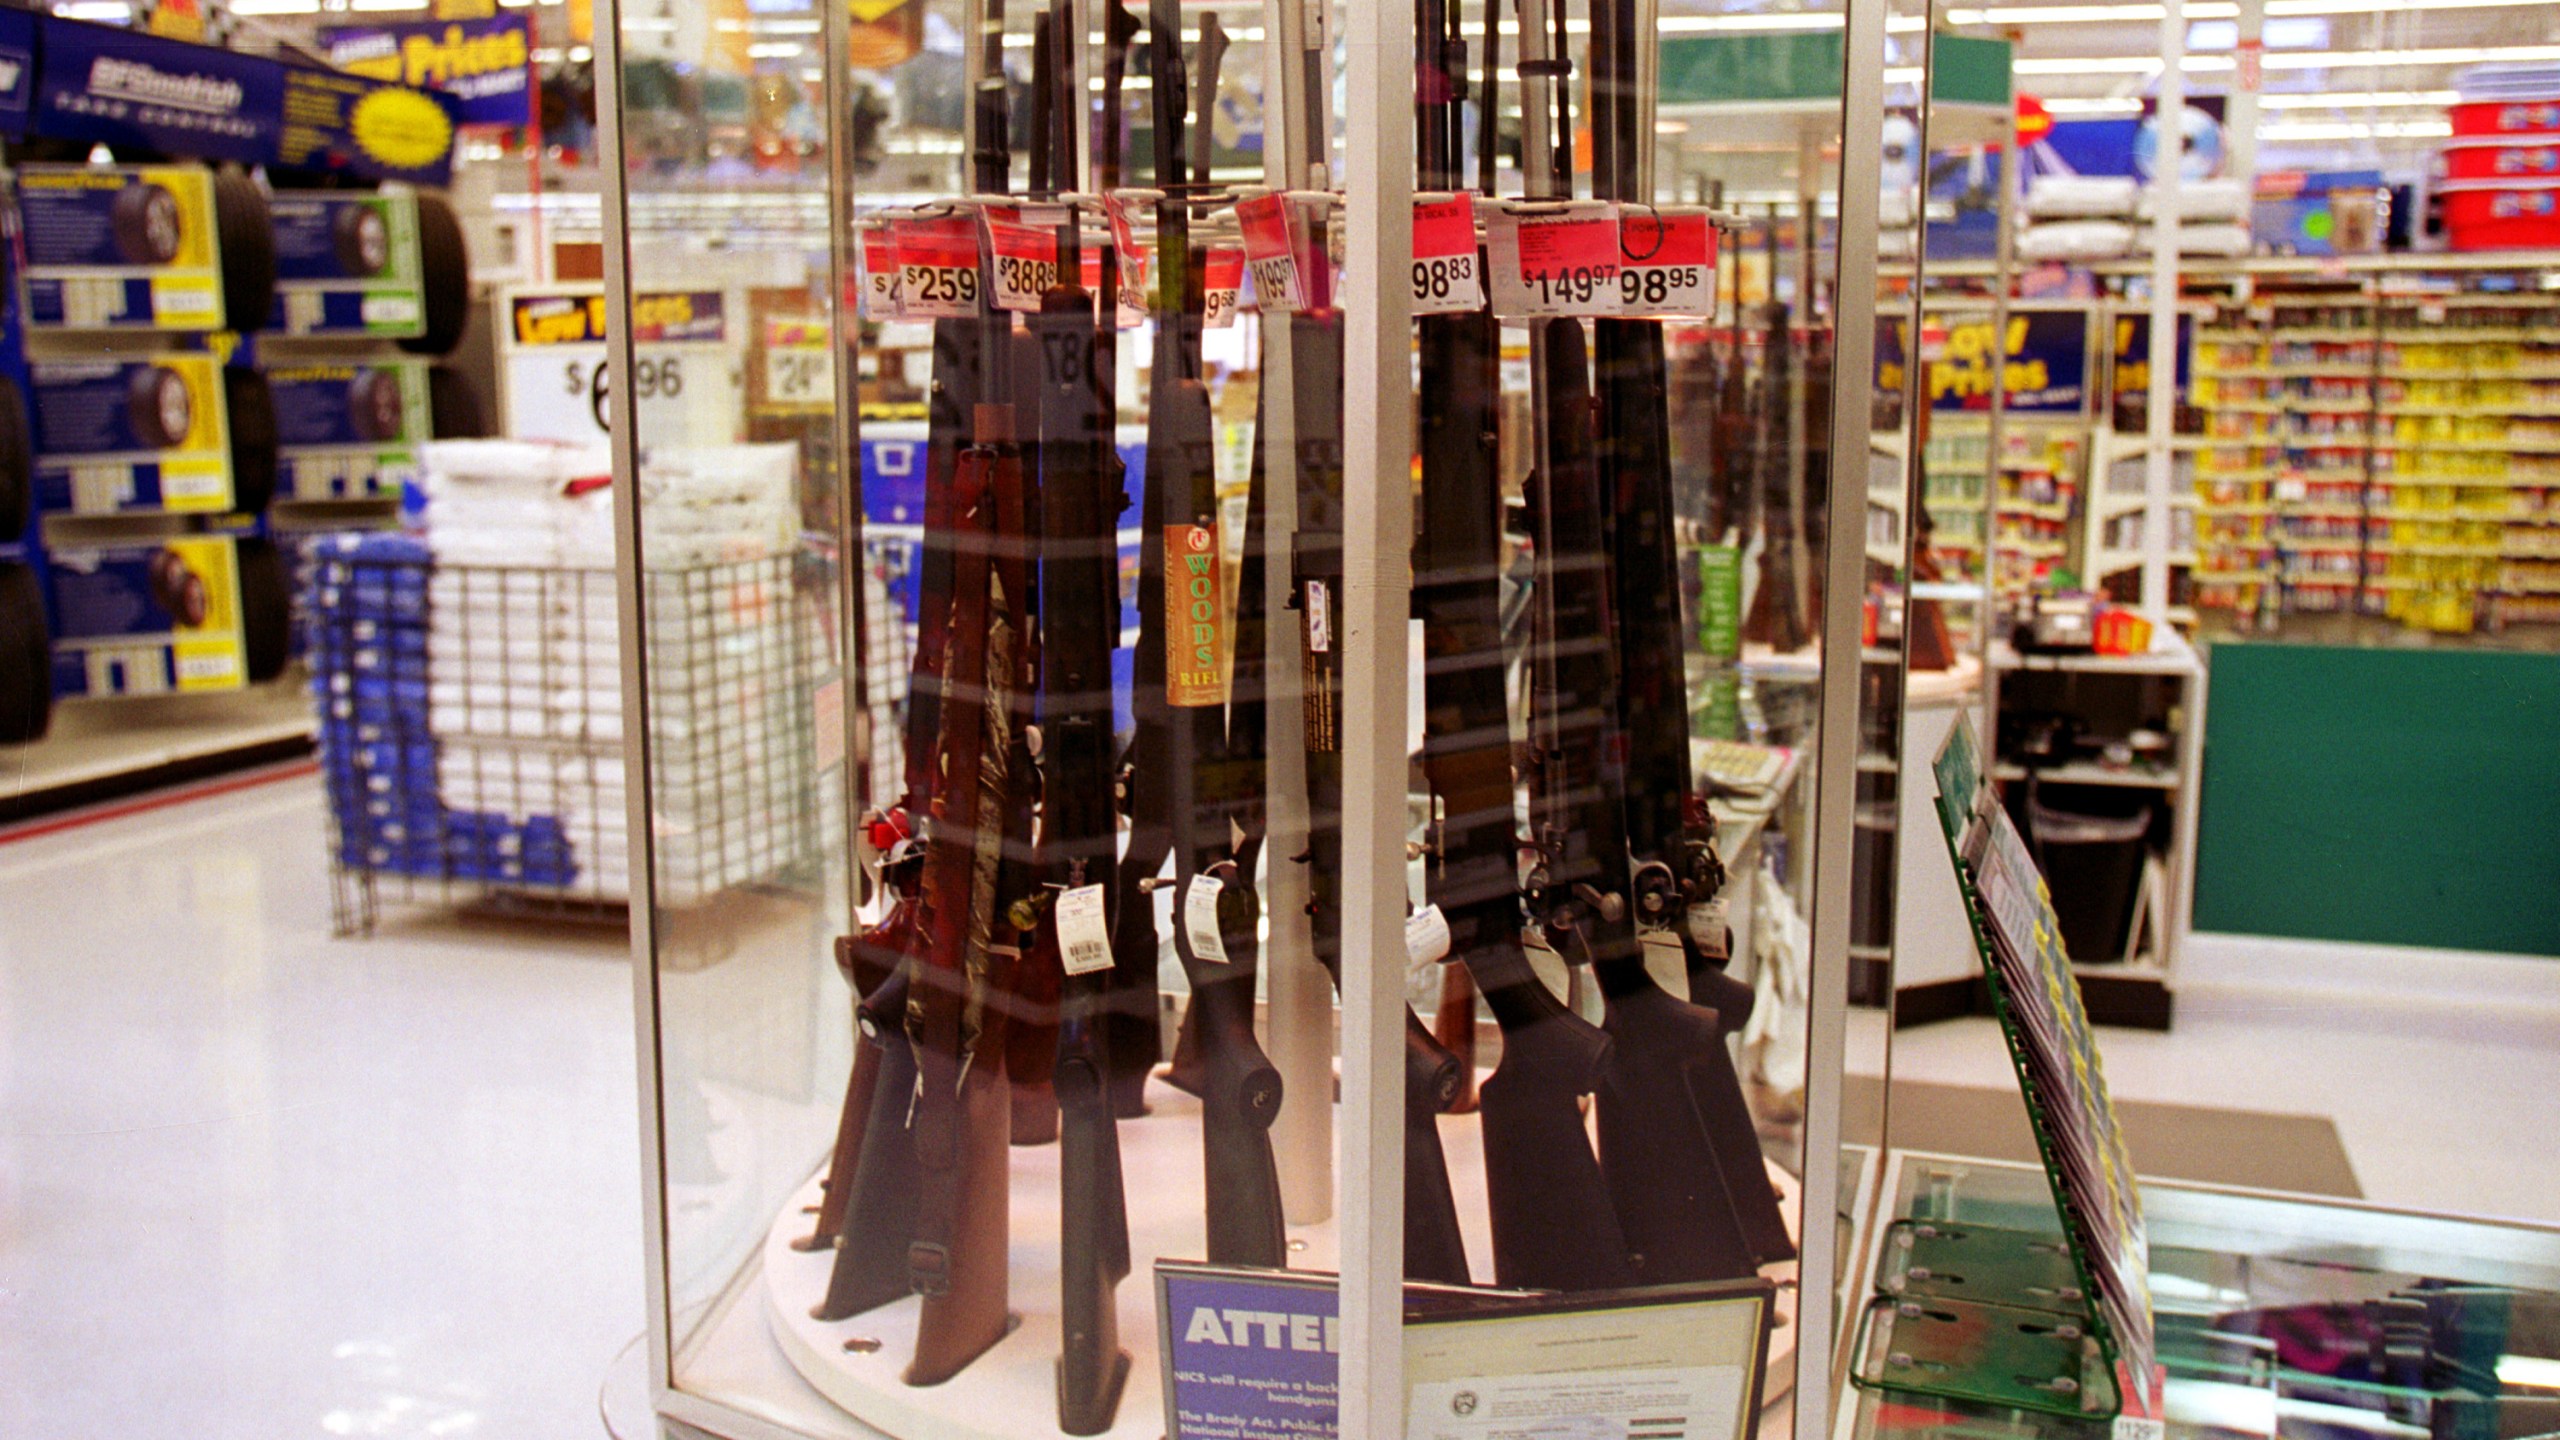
(1970, 69)
(2395, 797)
(1795, 65)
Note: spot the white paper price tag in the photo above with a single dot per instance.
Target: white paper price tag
(1134, 263)
(1446, 280)
(1200, 919)
(1666, 263)
(1708, 926)
(1084, 938)
(938, 269)
(1023, 263)
(880, 277)
(1222, 280)
(1319, 617)
(1555, 261)
(1271, 249)
(1426, 935)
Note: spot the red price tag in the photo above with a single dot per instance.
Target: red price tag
(938, 268)
(1270, 248)
(1559, 261)
(1446, 278)
(1223, 277)
(1666, 263)
(1135, 264)
(1024, 261)
(880, 276)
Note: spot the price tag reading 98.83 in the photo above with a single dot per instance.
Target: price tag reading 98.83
(1270, 247)
(1666, 262)
(1445, 277)
(938, 269)
(1222, 279)
(1555, 261)
(1024, 261)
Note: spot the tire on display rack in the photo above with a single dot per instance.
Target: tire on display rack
(376, 408)
(26, 657)
(444, 275)
(148, 225)
(159, 408)
(251, 407)
(455, 403)
(362, 240)
(266, 607)
(17, 462)
(247, 236)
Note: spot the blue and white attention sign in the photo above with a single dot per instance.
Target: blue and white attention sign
(1249, 1358)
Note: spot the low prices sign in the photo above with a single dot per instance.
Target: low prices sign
(1555, 260)
(938, 268)
(1446, 279)
(1666, 263)
(1271, 250)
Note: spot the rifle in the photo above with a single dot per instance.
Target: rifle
(1080, 615)
(1777, 614)
(1240, 1090)
(1675, 874)
(959, 1010)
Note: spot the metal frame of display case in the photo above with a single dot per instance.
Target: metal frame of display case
(1378, 430)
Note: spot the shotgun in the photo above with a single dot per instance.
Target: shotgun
(1080, 622)
(1215, 908)
(1675, 873)
(1777, 615)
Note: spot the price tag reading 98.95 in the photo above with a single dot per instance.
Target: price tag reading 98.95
(1560, 261)
(1221, 280)
(938, 269)
(1270, 248)
(1024, 262)
(1666, 262)
(1445, 278)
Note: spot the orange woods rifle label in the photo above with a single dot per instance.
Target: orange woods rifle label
(1196, 635)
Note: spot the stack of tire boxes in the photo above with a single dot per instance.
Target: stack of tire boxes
(151, 460)
(367, 601)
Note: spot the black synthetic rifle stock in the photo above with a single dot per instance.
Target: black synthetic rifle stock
(1240, 1089)
(1778, 607)
(1080, 623)
(1675, 874)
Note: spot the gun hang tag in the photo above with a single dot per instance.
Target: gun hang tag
(1197, 637)
(1222, 283)
(1136, 265)
(1426, 936)
(1446, 278)
(1272, 235)
(880, 300)
(1666, 262)
(1554, 259)
(938, 268)
(1200, 919)
(1022, 247)
(1084, 937)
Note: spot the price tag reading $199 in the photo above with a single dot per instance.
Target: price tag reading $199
(1270, 247)
(1445, 276)
(1222, 280)
(1666, 262)
(938, 268)
(880, 276)
(1560, 260)
(1025, 259)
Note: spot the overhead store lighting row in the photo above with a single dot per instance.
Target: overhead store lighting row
(2284, 60)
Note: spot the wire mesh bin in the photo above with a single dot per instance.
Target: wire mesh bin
(471, 728)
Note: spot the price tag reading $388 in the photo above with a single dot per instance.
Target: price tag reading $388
(1555, 261)
(1222, 280)
(1025, 260)
(938, 268)
(1445, 276)
(1666, 262)
(1270, 247)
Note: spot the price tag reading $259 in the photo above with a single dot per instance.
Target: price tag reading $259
(1666, 262)
(1445, 276)
(1559, 261)
(1270, 247)
(1221, 282)
(938, 268)
(1025, 262)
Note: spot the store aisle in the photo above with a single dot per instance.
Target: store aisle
(256, 1182)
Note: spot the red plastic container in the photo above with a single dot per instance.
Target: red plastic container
(2494, 161)
(2488, 216)
(2506, 117)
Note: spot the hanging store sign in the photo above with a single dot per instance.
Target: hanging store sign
(485, 65)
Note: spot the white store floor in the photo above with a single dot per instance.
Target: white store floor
(256, 1182)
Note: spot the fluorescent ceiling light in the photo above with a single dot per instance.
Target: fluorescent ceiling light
(110, 10)
(2283, 60)
(2356, 99)
(784, 27)
(275, 7)
(774, 49)
(388, 5)
(2356, 130)
(2370, 7)
(2108, 105)
(2533, 1370)
(1705, 24)
(2088, 14)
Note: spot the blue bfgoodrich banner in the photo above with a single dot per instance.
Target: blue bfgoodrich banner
(123, 87)
(485, 65)
(350, 125)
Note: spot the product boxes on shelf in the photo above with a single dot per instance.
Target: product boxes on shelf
(147, 618)
(347, 264)
(130, 247)
(115, 436)
(349, 431)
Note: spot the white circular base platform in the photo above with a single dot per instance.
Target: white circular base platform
(1010, 1392)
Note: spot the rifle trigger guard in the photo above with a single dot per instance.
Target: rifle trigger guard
(1655, 889)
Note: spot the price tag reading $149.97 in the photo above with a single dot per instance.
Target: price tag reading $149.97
(1666, 262)
(1555, 261)
(1445, 276)
(1270, 247)
(938, 268)
(1024, 259)
(1222, 281)
(880, 276)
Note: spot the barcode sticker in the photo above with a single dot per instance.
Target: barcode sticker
(1270, 247)
(1084, 937)
(1222, 277)
(1200, 919)
(1666, 263)
(1426, 935)
(1558, 261)
(1446, 280)
(1025, 263)
(1319, 617)
(938, 269)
